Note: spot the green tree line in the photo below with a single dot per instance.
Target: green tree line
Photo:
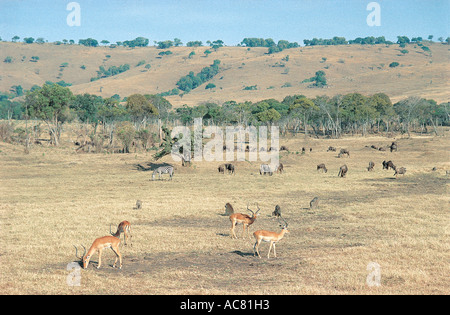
(320, 116)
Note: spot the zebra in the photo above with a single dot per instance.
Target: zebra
(168, 169)
(265, 169)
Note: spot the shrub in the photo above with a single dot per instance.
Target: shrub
(394, 64)
(126, 133)
(162, 53)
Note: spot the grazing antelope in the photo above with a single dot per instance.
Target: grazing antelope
(314, 204)
(333, 149)
(125, 228)
(322, 167)
(343, 171)
(399, 170)
(245, 219)
(279, 168)
(371, 166)
(344, 151)
(387, 165)
(267, 236)
(99, 245)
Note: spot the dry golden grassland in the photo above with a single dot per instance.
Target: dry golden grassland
(54, 198)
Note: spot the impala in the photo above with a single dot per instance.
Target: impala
(245, 219)
(267, 236)
(125, 228)
(99, 245)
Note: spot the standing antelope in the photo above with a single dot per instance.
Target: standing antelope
(99, 245)
(245, 219)
(267, 236)
(125, 228)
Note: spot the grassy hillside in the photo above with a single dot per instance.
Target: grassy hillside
(349, 68)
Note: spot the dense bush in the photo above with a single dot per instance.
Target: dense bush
(191, 81)
(111, 71)
(89, 42)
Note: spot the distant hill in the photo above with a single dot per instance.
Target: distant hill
(348, 68)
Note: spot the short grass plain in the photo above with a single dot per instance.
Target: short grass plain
(53, 199)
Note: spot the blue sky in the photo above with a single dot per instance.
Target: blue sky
(228, 20)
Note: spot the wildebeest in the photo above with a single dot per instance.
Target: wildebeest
(314, 204)
(371, 166)
(322, 167)
(230, 168)
(331, 149)
(265, 169)
(344, 151)
(284, 148)
(400, 170)
(387, 165)
(343, 170)
(277, 211)
(393, 146)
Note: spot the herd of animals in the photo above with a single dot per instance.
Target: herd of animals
(113, 241)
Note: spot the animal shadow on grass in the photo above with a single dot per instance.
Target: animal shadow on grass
(242, 254)
(150, 166)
